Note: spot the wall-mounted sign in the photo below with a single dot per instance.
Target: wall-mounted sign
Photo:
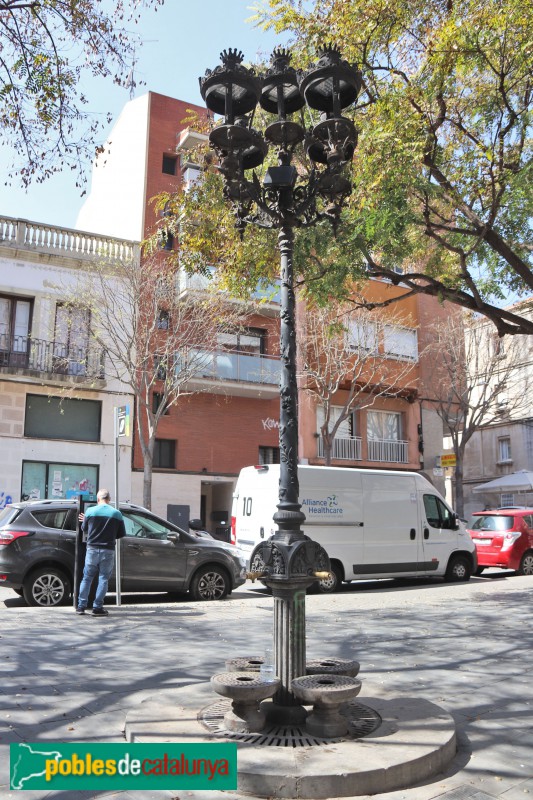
(123, 420)
(448, 460)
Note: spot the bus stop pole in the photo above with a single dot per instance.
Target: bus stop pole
(117, 547)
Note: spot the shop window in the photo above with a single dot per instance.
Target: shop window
(43, 480)
(62, 418)
(165, 454)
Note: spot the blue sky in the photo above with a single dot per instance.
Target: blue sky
(182, 39)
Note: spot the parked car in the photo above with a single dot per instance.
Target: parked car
(503, 538)
(37, 554)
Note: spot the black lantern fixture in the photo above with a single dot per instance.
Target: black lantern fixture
(289, 562)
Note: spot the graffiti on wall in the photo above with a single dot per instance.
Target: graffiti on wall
(5, 499)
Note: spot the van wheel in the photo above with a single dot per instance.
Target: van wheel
(526, 564)
(458, 569)
(333, 583)
(210, 583)
(46, 586)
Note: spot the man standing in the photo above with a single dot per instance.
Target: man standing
(103, 525)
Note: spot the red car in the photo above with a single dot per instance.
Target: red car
(503, 538)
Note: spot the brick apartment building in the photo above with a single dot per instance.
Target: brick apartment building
(205, 440)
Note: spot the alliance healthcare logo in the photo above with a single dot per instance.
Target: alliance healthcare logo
(85, 766)
(329, 506)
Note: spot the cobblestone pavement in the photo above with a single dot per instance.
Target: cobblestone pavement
(466, 647)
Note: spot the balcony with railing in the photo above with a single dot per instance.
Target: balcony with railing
(50, 358)
(222, 365)
(20, 234)
(345, 448)
(392, 451)
(264, 293)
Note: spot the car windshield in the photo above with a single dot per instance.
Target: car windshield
(491, 522)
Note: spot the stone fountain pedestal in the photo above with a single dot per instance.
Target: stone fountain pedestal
(405, 740)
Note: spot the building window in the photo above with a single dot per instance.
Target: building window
(166, 240)
(160, 367)
(384, 437)
(362, 335)
(46, 480)
(400, 342)
(71, 339)
(507, 499)
(504, 449)
(268, 455)
(169, 164)
(385, 425)
(163, 319)
(15, 322)
(62, 418)
(250, 341)
(157, 399)
(347, 427)
(165, 454)
(497, 346)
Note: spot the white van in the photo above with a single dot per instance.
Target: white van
(372, 523)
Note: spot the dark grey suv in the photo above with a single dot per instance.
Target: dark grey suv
(37, 549)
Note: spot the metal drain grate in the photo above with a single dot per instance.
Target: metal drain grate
(362, 721)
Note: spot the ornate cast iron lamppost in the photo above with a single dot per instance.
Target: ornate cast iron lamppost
(289, 561)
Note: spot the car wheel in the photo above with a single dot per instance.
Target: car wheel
(480, 570)
(333, 583)
(46, 586)
(210, 583)
(458, 569)
(526, 564)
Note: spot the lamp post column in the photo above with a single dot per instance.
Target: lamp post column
(289, 516)
(288, 595)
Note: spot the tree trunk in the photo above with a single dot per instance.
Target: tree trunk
(147, 481)
(459, 492)
(328, 447)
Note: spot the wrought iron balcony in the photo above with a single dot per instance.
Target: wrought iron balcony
(393, 451)
(52, 358)
(345, 448)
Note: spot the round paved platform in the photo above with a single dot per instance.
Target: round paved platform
(415, 741)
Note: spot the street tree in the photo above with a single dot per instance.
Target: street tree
(443, 168)
(46, 48)
(345, 366)
(159, 336)
(475, 379)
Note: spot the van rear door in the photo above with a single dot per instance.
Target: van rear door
(254, 505)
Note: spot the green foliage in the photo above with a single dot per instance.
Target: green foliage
(45, 48)
(443, 168)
